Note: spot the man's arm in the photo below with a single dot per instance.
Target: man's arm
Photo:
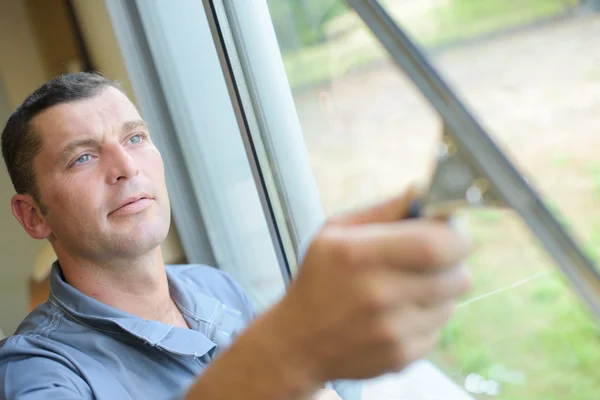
(371, 297)
(259, 365)
(39, 378)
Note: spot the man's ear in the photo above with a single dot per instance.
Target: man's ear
(28, 213)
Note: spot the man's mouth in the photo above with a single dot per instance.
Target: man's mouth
(133, 205)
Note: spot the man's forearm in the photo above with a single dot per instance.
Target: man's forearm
(260, 364)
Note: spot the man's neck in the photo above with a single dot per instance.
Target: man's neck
(137, 286)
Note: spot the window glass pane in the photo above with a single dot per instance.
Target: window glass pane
(529, 70)
(521, 333)
(207, 131)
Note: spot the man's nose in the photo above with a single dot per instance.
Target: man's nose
(121, 165)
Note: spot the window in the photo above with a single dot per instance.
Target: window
(182, 93)
(529, 71)
(307, 117)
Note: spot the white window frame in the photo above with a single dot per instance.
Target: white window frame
(258, 71)
(266, 102)
(151, 101)
(181, 90)
(249, 119)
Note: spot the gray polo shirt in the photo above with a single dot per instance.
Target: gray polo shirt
(75, 347)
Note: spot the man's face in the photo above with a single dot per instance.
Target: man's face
(101, 178)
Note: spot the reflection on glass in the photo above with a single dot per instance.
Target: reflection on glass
(530, 70)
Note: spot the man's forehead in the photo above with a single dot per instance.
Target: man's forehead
(95, 115)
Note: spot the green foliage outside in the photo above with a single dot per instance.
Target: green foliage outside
(322, 40)
(536, 338)
(301, 23)
(469, 18)
(594, 170)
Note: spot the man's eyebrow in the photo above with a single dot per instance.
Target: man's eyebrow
(136, 124)
(89, 142)
(66, 152)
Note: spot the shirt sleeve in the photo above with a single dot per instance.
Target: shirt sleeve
(36, 378)
(347, 389)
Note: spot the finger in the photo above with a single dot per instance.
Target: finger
(418, 320)
(428, 290)
(390, 210)
(409, 348)
(417, 245)
(414, 330)
(419, 346)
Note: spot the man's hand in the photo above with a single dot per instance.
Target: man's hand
(372, 294)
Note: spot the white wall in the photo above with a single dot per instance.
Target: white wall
(20, 72)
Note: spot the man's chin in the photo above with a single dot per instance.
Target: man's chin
(140, 238)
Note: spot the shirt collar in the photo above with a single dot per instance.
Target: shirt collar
(97, 315)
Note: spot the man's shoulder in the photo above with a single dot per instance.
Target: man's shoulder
(33, 345)
(209, 281)
(35, 333)
(32, 362)
(20, 344)
(39, 322)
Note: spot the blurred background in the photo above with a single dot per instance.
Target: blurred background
(529, 69)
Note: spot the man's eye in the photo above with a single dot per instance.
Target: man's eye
(83, 159)
(135, 139)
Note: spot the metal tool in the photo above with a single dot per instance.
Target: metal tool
(471, 169)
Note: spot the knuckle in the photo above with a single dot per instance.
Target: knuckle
(428, 249)
(421, 347)
(389, 337)
(449, 285)
(344, 251)
(399, 357)
(446, 312)
(436, 290)
(465, 281)
(440, 245)
(337, 248)
(439, 285)
(353, 255)
(377, 298)
(328, 244)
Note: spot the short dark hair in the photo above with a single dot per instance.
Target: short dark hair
(20, 144)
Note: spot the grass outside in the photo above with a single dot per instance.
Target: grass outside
(536, 338)
(522, 326)
(351, 47)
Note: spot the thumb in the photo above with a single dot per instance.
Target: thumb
(390, 210)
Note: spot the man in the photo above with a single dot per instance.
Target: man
(371, 296)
